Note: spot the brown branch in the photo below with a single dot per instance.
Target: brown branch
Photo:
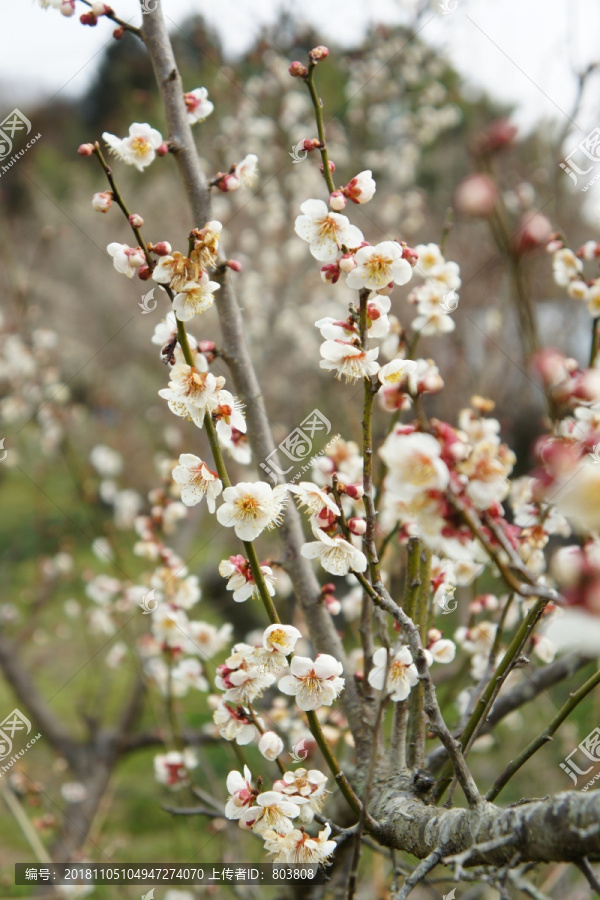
(320, 625)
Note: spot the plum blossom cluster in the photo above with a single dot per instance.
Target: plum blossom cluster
(33, 389)
(271, 814)
(437, 297)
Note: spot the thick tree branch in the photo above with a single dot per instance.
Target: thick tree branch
(562, 828)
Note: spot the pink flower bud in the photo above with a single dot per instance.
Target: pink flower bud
(357, 525)
(355, 491)
(234, 264)
(433, 635)
(144, 272)
(102, 202)
(497, 136)
(162, 149)
(298, 69)
(207, 346)
(135, 220)
(311, 144)
(410, 255)
(318, 53)
(330, 273)
(476, 196)
(337, 201)
(88, 18)
(85, 149)
(163, 248)
(118, 34)
(533, 233)
(331, 166)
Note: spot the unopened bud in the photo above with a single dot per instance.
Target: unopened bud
(144, 272)
(118, 34)
(135, 220)
(347, 262)
(163, 248)
(331, 166)
(85, 149)
(355, 491)
(311, 144)
(409, 255)
(337, 201)
(88, 18)
(318, 53)
(234, 264)
(101, 202)
(298, 69)
(162, 149)
(357, 525)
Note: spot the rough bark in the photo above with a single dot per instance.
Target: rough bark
(565, 827)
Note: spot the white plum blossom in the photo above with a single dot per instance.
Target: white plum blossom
(414, 464)
(442, 650)
(313, 683)
(273, 811)
(172, 769)
(246, 171)
(126, 260)
(361, 188)
(138, 148)
(270, 745)
(191, 392)
(195, 298)
(281, 639)
(566, 266)
(429, 257)
(397, 372)
(106, 461)
(298, 847)
(309, 784)
(402, 673)
(241, 580)
(242, 794)
(242, 686)
(196, 480)
(198, 106)
(249, 508)
(349, 361)
(234, 725)
(313, 498)
(326, 232)
(379, 266)
(229, 415)
(337, 555)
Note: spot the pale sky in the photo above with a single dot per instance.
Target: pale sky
(519, 50)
